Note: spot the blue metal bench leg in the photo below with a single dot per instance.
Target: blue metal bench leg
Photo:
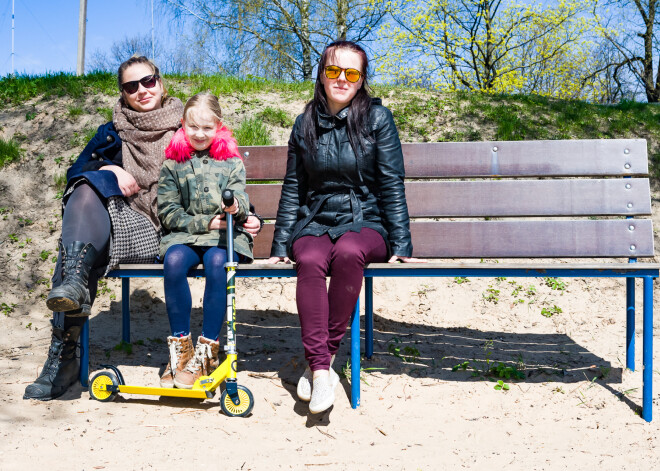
(355, 356)
(369, 317)
(647, 397)
(126, 310)
(84, 354)
(630, 324)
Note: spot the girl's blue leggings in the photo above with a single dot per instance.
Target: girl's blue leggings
(179, 259)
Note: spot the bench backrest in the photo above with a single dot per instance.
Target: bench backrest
(572, 198)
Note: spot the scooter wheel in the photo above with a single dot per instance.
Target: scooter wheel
(243, 408)
(98, 386)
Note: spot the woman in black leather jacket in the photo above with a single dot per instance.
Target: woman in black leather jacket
(343, 205)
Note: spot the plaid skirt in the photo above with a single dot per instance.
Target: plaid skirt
(133, 239)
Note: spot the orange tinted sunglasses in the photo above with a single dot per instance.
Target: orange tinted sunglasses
(333, 72)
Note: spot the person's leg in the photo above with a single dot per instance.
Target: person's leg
(85, 240)
(215, 292)
(178, 302)
(178, 260)
(312, 256)
(350, 254)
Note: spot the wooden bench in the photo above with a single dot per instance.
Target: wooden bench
(532, 200)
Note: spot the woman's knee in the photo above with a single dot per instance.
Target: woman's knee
(215, 259)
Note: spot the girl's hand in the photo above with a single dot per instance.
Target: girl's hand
(233, 209)
(217, 222)
(252, 225)
(396, 258)
(125, 180)
(277, 260)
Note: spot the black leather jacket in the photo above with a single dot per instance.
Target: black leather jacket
(333, 192)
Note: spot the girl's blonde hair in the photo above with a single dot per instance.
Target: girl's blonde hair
(206, 100)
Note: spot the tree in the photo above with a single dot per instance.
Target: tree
(122, 50)
(490, 45)
(630, 27)
(286, 36)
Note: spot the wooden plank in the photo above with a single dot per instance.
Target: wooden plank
(505, 198)
(157, 268)
(594, 157)
(518, 239)
(533, 239)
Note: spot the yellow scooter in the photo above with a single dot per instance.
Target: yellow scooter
(236, 400)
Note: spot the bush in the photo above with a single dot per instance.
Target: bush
(276, 117)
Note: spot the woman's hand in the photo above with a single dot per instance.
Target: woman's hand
(277, 260)
(233, 209)
(125, 180)
(396, 258)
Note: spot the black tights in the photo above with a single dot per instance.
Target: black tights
(85, 219)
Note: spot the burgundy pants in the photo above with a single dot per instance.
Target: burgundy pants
(324, 312)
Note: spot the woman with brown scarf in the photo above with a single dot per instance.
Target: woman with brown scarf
(109, 212)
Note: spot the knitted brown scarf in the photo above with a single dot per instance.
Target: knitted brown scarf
(144, 138)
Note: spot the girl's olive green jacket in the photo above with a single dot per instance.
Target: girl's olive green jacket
(189, 196)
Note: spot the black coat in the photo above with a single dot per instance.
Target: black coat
(331, 192)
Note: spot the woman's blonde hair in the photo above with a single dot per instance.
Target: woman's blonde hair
(206, 100)
(136, 59)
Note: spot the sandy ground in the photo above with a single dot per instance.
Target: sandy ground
(576, 407)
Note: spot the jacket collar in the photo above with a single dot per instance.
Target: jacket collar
(224, 146)
(328, 122)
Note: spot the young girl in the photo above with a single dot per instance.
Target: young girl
(201, 161)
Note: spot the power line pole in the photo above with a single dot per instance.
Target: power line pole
(82, 27)
(13, 71)
(153, 48)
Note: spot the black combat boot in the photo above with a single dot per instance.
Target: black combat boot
(77, 260)
(62, 367)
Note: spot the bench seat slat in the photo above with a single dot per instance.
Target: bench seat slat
(502, 198)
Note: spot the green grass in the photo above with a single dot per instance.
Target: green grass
(10, 151)
(252, 132)
(276, 117)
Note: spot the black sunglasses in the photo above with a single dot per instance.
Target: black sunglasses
(147, 82)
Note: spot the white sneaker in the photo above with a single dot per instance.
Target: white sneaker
(305, 386)
(304, 389)
(323, 392)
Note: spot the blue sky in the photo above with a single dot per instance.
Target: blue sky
(46, 31)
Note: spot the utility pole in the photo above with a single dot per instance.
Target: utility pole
(82, 27)
(153, 48)
(13, 71)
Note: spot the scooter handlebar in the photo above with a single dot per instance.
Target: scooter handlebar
(228, 197)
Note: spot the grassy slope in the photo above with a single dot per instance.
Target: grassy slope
(421, 116)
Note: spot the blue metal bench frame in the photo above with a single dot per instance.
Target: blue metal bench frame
(645, 271)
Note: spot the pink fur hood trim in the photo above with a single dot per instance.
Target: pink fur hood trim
(223, 147)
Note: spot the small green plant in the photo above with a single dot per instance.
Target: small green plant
(461, 279)
(45, 254)
(75, 111)
(461, 366)
(491, 295)
(10, 151)
(252, 132)
(502, 370)
(125, 347)
(550, 311)
(58, 160)
(555, 283)
(25, 222)
(59, 180)
(29, 325)
(530, 291)
(276, 117)
(13, 238)
(5, 212)
(406, 353)
(346, 372)
(30, 115)
(7, 308)
(105, 112)
(27, 242)
(501, 386)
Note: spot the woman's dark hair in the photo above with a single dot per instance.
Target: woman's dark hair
(358, 111)
(135, 59)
